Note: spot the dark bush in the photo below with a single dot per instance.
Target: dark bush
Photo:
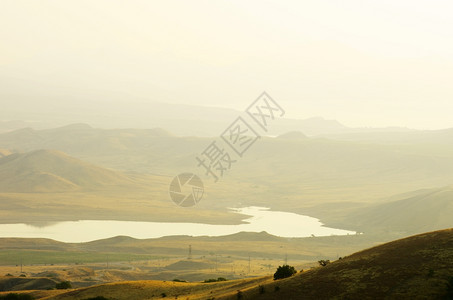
(64, 285)
(284, 272)
(215, 280)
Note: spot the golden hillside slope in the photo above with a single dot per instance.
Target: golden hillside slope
(417, 267)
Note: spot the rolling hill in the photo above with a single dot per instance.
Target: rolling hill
(318, 169)
(426, 210)
(4, 152)
(19, 284)
(53, 171)
(417, 267)
(45, 186)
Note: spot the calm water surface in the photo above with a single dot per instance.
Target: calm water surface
(277, 223)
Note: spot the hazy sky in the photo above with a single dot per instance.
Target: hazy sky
(364, 63)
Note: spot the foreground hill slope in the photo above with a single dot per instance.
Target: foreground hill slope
(417, 267)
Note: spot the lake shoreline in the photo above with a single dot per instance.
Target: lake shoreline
(258, 219)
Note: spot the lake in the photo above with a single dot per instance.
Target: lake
(283, 224)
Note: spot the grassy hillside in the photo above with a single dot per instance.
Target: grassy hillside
(45, 186)
(417, 267)
(19, 283)
(159, 289)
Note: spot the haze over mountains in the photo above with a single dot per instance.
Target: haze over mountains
(180, 119)
(357, 183)
(191, 150)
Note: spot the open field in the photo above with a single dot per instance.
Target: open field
(233, 257)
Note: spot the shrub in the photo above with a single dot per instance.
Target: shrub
(64, 285)
(178, 280)
(13, 296)
(323, 262)
(261, 289)
(97, 298)
(215, 280)
(284, 272)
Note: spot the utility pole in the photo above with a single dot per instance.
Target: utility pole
(286, 259)
(190, 252)
(249, 264)
(21, 264)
